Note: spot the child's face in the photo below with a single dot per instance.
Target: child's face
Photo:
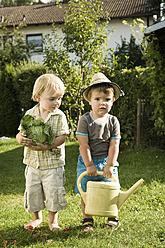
(101, 103)
(50, 102)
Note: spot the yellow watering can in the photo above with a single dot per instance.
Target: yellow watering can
(104, 198)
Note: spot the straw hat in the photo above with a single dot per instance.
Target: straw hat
(99, 78)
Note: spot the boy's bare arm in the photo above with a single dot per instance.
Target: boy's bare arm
(59, 141)
(112, 157)
(43, 147)
(86, 155)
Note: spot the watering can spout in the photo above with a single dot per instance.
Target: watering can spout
(123, 196)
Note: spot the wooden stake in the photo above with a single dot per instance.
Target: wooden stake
(138, 122)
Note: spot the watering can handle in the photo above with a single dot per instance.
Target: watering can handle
(84, 174)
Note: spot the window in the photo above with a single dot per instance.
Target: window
(35, 42)
(7, 40)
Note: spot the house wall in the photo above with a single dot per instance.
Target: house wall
(124, 31)
(39, 29)
(115, 30)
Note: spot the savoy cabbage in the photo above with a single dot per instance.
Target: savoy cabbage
(37, 130)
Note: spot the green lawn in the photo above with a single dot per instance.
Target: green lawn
(142, 216)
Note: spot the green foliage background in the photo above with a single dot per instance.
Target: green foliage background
(147, 83)
(9, 105)
(156, 81)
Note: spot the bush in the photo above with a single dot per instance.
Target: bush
(9, 104)
(24, 79)
(132, 83)
(129, 53)
(155, 80)
(16, 86)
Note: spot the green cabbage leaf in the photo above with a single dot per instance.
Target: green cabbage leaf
(37, 130)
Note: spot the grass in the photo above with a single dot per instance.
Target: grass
(142, 216)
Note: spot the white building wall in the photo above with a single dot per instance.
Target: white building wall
(124, 31)
(115, 30)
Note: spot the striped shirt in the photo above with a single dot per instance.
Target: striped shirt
(48, 159)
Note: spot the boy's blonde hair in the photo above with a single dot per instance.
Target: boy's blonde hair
(104, 87)
(48, 83)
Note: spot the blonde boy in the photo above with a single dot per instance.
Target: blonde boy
(45, 163)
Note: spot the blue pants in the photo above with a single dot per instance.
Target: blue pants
(100, 164)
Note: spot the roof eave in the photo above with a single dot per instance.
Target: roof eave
(154, 27)
(34, 24)
(136, 15)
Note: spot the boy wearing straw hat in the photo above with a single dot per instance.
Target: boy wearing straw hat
(98, 134)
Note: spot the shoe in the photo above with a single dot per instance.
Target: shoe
(113, 223)
(87, 224)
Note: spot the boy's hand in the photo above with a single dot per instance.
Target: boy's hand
(108, 171)
(92, 171)
(39, 147)
(23, 140)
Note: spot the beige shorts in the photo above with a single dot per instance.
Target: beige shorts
(44, 187)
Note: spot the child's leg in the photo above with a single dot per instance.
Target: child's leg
(88, 220)
(53, 223)
(83, 209)
(36, 221)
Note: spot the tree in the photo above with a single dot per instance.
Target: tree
(13, 46)
(57, 59)
(9, 105)
(25, 75)
(75, 56)
(155, 75)
(13, 49)
(128, 53)
(155, 3)
(156, 78)
(84, 35)
(154, 6)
